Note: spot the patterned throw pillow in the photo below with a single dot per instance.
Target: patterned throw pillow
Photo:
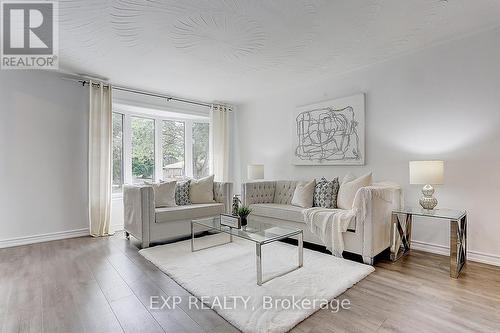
(325, 193)
(182, 193)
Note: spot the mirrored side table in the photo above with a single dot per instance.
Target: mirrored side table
(402, 220)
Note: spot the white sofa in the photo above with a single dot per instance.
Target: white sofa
(270, 202)
(149, 224)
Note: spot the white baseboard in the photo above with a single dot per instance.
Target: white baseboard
(115, 227)
(484, 258)
(476, 256)
(43, 237)
(432, 248)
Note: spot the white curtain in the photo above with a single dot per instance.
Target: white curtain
(219, 137)
(100, 147)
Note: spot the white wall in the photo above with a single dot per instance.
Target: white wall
(440, 103)
(43, 157)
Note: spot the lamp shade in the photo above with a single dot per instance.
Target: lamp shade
(426, 172)
(255, 171)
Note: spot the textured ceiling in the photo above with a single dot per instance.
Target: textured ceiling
(231, 50)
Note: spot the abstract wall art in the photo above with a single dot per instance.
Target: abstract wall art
(330, 132)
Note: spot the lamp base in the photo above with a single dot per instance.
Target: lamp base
(428, 201)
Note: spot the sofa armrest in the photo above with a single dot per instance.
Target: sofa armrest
(374, 205)
(223, 193)
(257, 192)
(139, 211)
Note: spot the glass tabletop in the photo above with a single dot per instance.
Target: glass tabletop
(449, 214)
(255, 231)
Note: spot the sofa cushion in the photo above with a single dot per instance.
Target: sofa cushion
(188, 212)
(202, 190)
(304, 194)
(164, 193)
(349, 188)
(325, 193)
(182, 193)
(286, 212)
(279, 211)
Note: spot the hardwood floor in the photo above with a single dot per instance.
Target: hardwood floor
(104, 285)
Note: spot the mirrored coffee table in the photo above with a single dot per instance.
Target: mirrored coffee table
(259, 233)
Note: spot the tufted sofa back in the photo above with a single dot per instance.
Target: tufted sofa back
(284, 191)
(258, 192)
(279, 192)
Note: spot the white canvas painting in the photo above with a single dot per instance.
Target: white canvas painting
(330, 132)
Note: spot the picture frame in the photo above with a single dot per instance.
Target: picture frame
(330, 132)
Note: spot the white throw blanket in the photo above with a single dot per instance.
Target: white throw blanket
(329, 224)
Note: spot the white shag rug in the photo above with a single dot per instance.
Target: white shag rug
(225, 272)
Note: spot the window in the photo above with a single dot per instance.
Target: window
(200, 150)
(143, 149)
(173, 148)
(117, 152)
(153, 148)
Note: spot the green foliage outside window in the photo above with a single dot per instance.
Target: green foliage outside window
(143, 148)
(173, 149)
(173, 142)
(117, 151)
(200, 149)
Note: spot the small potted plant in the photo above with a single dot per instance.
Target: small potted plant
(243, 212)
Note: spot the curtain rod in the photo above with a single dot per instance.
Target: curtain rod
(141, 92)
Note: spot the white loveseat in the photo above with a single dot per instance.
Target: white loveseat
(270, 202)
(149, 224)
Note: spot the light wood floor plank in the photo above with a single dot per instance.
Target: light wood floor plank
(72, 299)
(145, 271)
(118, 294)
(23, 312)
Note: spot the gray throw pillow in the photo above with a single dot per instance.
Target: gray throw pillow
(303, 196)
(325, 193)
(335, 193)
(182, 193)
(202, 190)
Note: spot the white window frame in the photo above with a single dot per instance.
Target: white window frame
(127, 143)
(123, 155)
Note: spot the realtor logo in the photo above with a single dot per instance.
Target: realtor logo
(29, 35)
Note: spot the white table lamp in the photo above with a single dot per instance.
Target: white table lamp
(255, 171)
(427, 173)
